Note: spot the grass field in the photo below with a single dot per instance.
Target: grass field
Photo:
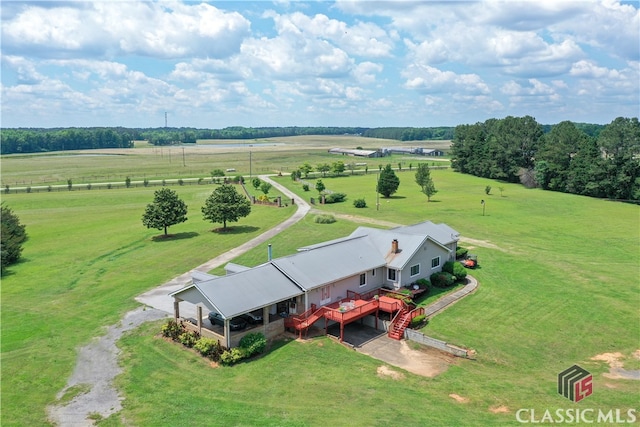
(558, 285)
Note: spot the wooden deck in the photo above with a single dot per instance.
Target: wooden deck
(345, 311)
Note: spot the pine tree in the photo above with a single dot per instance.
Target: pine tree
(388, 182)
(12, 236)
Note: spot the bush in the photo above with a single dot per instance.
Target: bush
(233, 356)
(145, 182)
(188, 338)
(217, 172)
(418, 321)
(208, 347)
(360, 203)
(459, 271)
(253, 343)
(238, 179)
(263, 198)
(305, 187)
(442, 279)
(180, 181)
(461, 252)
(448, 267)
(172, 329)
(324, 219)
(335, 198)
(406, 299)
(423, 283)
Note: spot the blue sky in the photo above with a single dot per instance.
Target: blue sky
(300, 63)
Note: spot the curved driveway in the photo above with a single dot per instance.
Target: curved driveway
(159, 297)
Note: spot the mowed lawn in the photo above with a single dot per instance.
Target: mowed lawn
(558, 285)
(87, 257)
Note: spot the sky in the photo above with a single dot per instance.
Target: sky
(316, 63)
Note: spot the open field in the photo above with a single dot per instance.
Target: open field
(189, 161)
(558, 285)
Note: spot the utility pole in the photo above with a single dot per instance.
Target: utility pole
(165, 119)
(250, 166)
(183, 161)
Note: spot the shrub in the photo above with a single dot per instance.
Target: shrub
(109, 186)
(188, 338)
(461, 252)
(49, 188)
(88, 186)
(238, 179)
(442, 279)
(217, 172)
(208, 347)
(180, 181)
(253, 343)
(200, 180)
(305, 187)
(145, 182)
(418, 321)
(448, 267)
(28, 189)
(324, 219)
(459, 271)
(423, 283)
(360, 203)
(335, 198)
(172, 329)
(233, 356)
(263, 198)
(127, 182)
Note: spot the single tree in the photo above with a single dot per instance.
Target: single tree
(337, 167)
(69, 184)
(320, 187)
(388, 182)
(224, 205)
(166, 210)
(12, 236)
(256, 183)
(305, 169)
(424, 180)
(127, 182)
(323, 168)
(265, 187)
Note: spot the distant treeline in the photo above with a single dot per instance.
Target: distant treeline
(411, 134)
(604, 163)
(32, 140)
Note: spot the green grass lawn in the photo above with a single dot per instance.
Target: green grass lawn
(87, 257)
(558, 285)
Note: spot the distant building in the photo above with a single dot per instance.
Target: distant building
(356, 153)
(417, 151)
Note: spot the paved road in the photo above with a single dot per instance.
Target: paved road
(159, 297)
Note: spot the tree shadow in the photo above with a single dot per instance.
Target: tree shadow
(394, 198)
(241, 229)
(171, 237)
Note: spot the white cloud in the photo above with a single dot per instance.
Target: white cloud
(165, 30)
(424, 78)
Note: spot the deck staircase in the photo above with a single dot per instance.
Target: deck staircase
(399, 324)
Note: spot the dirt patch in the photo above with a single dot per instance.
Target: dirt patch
(499, 409)
(459, 398)
(616, 366)
(481, 243)
(385, 371)
(425, 361)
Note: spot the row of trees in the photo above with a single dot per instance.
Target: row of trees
(566, 159)
(32, 140)
(411, 134)
(223, 205)
(38, 140)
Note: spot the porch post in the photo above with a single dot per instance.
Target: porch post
(176, 309)
(199, 321)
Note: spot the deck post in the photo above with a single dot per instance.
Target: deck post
(341, 331)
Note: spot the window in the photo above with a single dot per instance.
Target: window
(435, 263)
(415, 270)
(391, 274)
(363, 279)
(373, 272)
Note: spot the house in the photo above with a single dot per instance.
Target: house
(338, 281)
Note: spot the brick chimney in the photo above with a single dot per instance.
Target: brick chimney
(394, 246)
